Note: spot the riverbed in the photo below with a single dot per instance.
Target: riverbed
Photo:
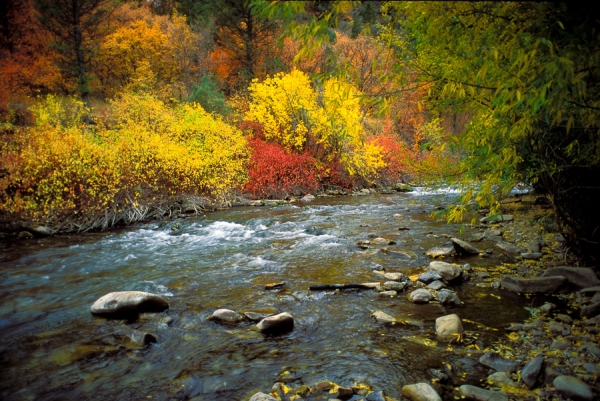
(53, 348)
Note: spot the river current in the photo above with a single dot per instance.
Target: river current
(52, 348)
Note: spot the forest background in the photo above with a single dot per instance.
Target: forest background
(114, 111)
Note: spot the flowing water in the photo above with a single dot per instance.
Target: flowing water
(53, 348)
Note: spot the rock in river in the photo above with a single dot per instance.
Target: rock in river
(440, 251)
(447, 297)
(282, 322)
(498, 363)
(226, 316)
(420, 392)
(446, 270)
(532, 285)
(262, 397)
(128, 303)
(382, 317)
(420, 296)
(464, 248)
(394, 276)
(429, 277)
(572, 388)
(448, 326)
(479, 394)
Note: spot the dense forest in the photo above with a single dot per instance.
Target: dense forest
(114, 111)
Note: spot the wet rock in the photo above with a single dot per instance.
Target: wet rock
(483, 275)
(532, 285)
(498, 363)
(531, 255)
(420, 392)
(578, 277)
(496, 218)
(277, 323)
(382, 241)
(509, 248)
(276, 285)
(393, 276)
(531, 371)
(393, 286)
(441, 251)
(591, 310)
(128, 303)
(308, 198)
(376, 396)
(382, 317)
(446, 270)
(500, 378)
(493, 233)
(400, 187)
(466, 267)
(226, 316)
(344, 393)
(573, 388)
(25, 235)
(463, 247)
(436, 285)
(550, 374)
(429, 277)
(420, 296)
(262, 397)
(323, 386)
(448, 326)
(479, 394)
(255, 316)
(447, 297)
(388, 293)
(438, 374)
(38, 230)
(403, 228)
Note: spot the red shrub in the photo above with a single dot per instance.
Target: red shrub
(276, 173)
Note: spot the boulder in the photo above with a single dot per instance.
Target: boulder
(447, 297)
(572, 388)
(420, 392)
(531, 371)
(532, 285)
(277, 323)
(382, 317)
(394, 276)
(496, 218)
(226, 316)
(429, 277)
(446, 270)
(262, 397)
(441, 251)
(463, 247)
(479, 394)
(577, 277)
(498, 363)
(448, 326)
(128, 303)
(420, 296)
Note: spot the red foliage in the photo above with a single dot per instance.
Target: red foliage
(337, 176)
(254, 128)
(276, 173)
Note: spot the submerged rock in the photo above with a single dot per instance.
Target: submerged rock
(479, 394)
(463, 247)
(447, 297)
(448, 326)
(446, 270)
(532, 285)
(573, 388)
(277, 323)
(127, 303)
(420, 392)
(226, 316)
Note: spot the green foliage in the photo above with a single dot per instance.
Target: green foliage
(207, 94)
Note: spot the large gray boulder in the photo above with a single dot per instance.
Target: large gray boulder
(128, 303)
(226, 316)
(479, 394)
(463, 247)
(446, 270)
(578, 277)
(420, 392)
(498, 363)
(282, 322)
(572, 388)
(532, 285)
(449, 326)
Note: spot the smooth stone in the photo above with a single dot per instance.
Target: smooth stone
(255, 316)
(127, 303)
(307, 198)
(500, 378)
(276, 323)
(376, 396)
(447, 297)
(479, 394)
(532, 285)
(388, 293)
(498, 363)
(393, 286)
(510, 248)
(448, 326)
(531, 255)
(381, 241)
(440, 251)
(590, 289)
(436, 285)
(226, 316)
(374, 285)
(463, 247)
(420, 296)
(420, 392)
(446, 270)
(393, 276)
(429, 277)
(531, 371)
(591, 310)
(38, 230)
(573, 388)
(25, 235)
(382, 317)
(262, 397)
(578, 277)
(497, 218)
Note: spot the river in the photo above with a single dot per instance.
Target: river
(53, 348)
